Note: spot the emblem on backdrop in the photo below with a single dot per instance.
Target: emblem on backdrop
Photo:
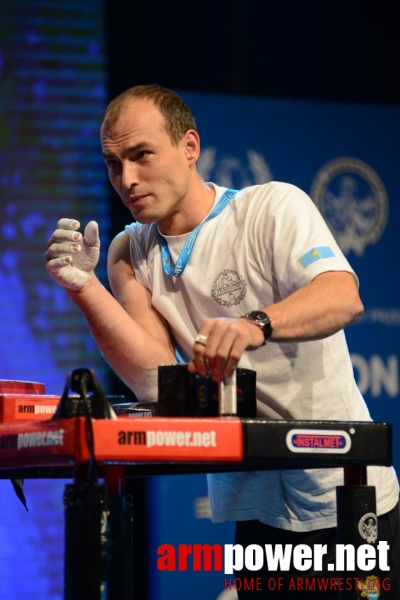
(353, 201)
(228, 171)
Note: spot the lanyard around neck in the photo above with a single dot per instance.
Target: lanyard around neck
(184, 255)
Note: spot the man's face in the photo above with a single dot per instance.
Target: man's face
(151, 175)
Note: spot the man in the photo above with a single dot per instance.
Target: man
(212, 275)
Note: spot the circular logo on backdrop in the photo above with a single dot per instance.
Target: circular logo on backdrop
(231, 172)
(229, 288)
(353, 201)
(368, 528)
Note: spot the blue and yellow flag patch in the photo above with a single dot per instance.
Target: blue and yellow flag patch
(315, 254)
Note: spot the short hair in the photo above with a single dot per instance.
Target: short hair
(178, 116)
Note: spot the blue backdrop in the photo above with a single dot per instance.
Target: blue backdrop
(52, 92)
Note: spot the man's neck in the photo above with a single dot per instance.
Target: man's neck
(193, 210)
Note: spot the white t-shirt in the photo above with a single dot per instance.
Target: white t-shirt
(258, 251)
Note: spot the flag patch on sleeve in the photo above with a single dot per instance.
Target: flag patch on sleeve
(315, 254)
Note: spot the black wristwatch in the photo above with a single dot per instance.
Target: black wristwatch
(260, 318)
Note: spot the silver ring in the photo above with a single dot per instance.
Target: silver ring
(201, 339)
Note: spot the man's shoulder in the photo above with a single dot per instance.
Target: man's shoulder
(141, 233)
(271, 189)
(141, 239)
(139, 229)
(272, 196)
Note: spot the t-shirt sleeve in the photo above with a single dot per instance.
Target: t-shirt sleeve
(138, 253)
(299, 240)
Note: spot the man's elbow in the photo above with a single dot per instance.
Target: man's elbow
(356, 309)
(350, 293)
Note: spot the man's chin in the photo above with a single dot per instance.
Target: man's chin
(142, 218)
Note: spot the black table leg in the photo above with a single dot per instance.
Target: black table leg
(356, 526)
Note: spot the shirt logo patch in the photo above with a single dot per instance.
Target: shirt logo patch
(229, 288)
(315, 254)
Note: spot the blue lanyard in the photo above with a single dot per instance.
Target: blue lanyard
(187, 249)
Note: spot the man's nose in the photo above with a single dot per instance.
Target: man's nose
(129, 175)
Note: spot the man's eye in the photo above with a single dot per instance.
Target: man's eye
(112, 164)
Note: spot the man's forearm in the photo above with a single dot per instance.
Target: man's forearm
(131, 352)
(328, 304)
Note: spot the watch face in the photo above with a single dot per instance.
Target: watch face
(259, 316)
(262, 320)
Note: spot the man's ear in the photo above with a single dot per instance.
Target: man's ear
(191, 141)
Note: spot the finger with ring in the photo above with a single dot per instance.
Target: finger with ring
(201, 339)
